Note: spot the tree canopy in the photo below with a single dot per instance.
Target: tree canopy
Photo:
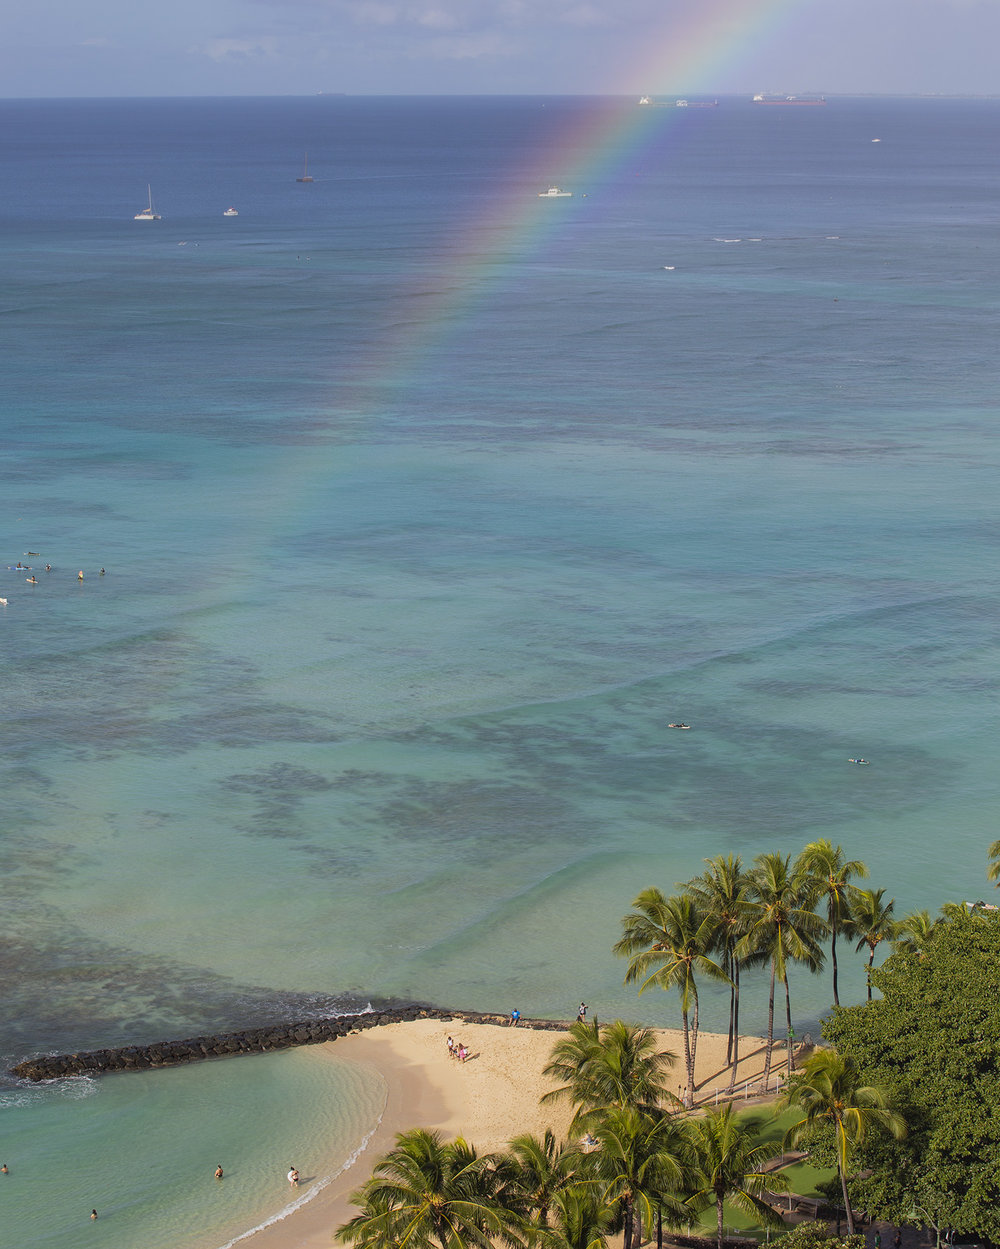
(933, 1041)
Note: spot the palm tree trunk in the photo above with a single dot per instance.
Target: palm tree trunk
(659, 1229)
(688, 1065)
(770, 1028)
(730, 972)
(721, 1229)
(847, 1201)
(788, 1022)
(871, 959)
(736, 1023)
(694, 1047)
(627, 1238)
(833, 960)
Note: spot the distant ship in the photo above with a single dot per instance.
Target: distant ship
(554, 193)
(305, 171)
(649, 102)
(789, 99)
(230, 212)
(147, 213)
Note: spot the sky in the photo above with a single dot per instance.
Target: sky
(59, 48)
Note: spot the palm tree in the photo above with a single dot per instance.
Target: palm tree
(643, 1162)
(913, 932)
(580, 1218)
(722, 890)
(828, 1091)
(540, 1169)
(832, 874)
(666, 941)
(731, 1165)
(993, 863)
(430, 1194)
(618, 1064)
(873, 922)
(783, 928)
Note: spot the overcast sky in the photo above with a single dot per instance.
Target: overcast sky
(300, 47)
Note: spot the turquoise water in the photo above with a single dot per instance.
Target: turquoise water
(143, 1151)
(424, 511)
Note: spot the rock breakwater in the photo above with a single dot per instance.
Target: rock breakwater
(246, 1041)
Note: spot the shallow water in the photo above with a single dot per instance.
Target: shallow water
(424, 511)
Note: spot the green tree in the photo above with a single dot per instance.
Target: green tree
(829, 1092)
(784, 929)
(427, 1193)
(723, 891)
(832, 874)
(667, 941)
(933, 1040)
(616, 1064)
(731, 1168)
(644, 1164)
(813, 1235)
(873, 923)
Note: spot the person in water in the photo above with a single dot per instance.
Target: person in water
(79, 575)
(32, 580)
(218, 1172)
(93, 1214)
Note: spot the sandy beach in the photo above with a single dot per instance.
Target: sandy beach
(489, 1099)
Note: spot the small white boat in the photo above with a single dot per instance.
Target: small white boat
(147, 213)
(306, 176)
(554, 193)
(230, 212)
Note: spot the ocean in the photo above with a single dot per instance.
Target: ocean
(425, 506)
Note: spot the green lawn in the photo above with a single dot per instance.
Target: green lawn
(803, 1177)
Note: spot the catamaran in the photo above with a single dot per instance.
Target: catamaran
(147, 213)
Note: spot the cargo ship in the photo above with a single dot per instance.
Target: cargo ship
(789, 99)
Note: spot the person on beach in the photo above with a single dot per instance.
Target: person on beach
(451, 1048)
(581, 1014)
(293, 1177)
(515, 1015)
(218, 1172)
(463, 1053)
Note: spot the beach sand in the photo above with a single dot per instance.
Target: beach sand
(489, 1099)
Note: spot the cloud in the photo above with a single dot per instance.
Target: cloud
(236, 49)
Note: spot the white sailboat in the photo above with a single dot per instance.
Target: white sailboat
(147, 213)
(305, 171)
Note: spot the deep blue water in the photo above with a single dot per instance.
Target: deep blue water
(426, 505)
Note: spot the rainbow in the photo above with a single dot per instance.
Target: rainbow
(692, 46)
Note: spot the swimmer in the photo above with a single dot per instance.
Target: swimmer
(48, 567)
(293, 1177)
(681, 725)
(93, 1214)
(218, 1172)
(101, 573)
(3, 1170)
(31, 580)
(864, 762)
(79, 575)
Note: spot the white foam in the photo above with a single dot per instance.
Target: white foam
(313, 1191)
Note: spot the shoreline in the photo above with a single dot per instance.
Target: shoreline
(488, 1100)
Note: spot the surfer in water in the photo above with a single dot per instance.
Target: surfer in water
(863, 762)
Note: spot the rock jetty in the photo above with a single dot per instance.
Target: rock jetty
(246, 1041)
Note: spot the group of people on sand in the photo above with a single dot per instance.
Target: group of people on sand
(457, 1050)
